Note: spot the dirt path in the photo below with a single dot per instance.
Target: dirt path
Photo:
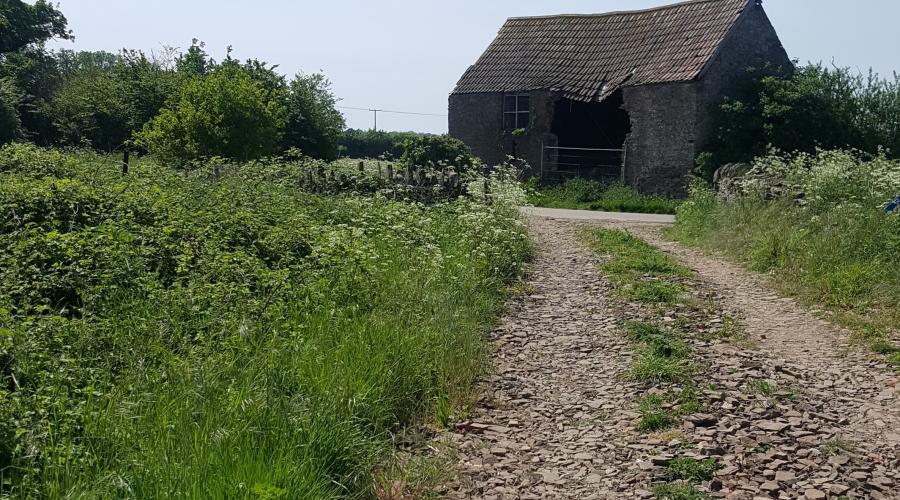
(558, 419)
(825, 360)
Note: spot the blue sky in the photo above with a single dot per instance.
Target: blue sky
(406, 55)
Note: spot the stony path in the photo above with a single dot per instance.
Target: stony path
(558, 417)
(827, 363)
(550, 425)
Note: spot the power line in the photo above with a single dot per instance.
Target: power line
(391, 111)
(376, 111)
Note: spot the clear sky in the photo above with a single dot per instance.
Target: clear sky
(406, 55)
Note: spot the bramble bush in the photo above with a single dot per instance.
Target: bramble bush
(819, 221)
(184, 334)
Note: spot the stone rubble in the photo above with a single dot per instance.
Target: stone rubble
(558, 417)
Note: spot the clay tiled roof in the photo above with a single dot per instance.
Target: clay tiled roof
(587, 57)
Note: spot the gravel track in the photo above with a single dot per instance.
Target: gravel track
(558, 417)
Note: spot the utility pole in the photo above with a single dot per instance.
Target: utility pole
(376, 117)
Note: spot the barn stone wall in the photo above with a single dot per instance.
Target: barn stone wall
(477, 120)
(660, 150)
(673, 123)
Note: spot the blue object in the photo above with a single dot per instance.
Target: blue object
(893, 206)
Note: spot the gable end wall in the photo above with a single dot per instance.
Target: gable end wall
(752, 43)
(673, 123)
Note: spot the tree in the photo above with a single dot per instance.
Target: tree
(314, 124)
(10, 125)
(433, 150)
(22, 24)
(815, 107)
(36, 74)
(105, 98)
(196, 62)
(224, 113)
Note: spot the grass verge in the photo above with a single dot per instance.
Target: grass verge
(836, 249)
(582, 194)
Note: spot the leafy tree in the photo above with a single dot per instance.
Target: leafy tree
(431, 150)
(224, 113)
(36, 74)
(374, 143)
(195, 62)
(274, 83)
(814, 107)
(22, 24)
(91, 110)
(106, 98)
(314, 125)
(10, 125)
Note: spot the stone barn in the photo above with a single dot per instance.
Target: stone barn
(627, 96)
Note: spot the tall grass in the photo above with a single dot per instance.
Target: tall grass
(584, 194)
(834, 246)
(174, 335)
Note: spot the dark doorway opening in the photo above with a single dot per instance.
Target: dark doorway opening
(591, 138)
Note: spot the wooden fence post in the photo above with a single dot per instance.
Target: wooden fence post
(125, 161)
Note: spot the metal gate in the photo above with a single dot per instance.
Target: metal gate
(559, 163)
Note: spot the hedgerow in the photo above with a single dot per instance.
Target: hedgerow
(183, 334)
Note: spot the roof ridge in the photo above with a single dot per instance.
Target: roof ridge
(620, 12)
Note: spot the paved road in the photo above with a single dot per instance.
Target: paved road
(556, 213)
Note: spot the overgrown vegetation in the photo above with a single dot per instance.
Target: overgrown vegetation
(815, 107)
(818, 221)
(584, 194)
(209, 334)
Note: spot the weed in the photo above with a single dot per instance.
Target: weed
(689, 400)
(183, 334)
(669, 436)
(652, 368)
(762, 387)
(689, 469)
(665, 343)
(653, 417)
(729, 329)
(520, 288)
(834, 447)
(885, 347)
(837, 250)
(655, 292)
(678, 491)
(895, 360)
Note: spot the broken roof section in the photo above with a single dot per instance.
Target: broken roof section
(588, 57)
